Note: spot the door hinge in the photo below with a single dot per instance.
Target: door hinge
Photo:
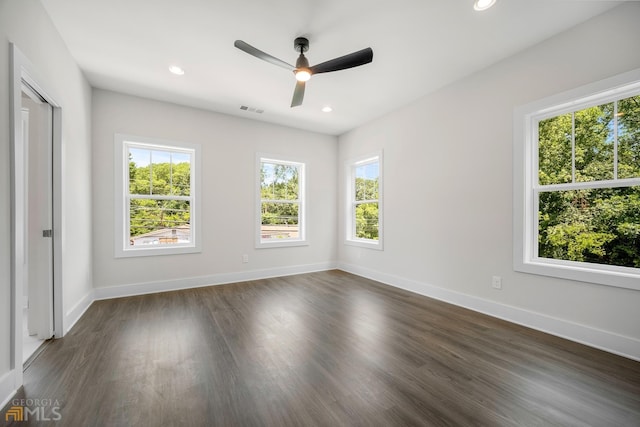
(47, 233)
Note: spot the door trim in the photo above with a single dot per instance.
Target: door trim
(24, 72)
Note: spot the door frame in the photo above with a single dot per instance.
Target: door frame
(24, 72)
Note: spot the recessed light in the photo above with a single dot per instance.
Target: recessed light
(176, 70)
(481, 5)
(327, 109)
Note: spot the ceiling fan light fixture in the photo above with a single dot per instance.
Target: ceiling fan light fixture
(303, 75)
(302, 71)
(481, 5)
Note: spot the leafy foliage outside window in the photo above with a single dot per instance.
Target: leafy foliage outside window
(588, 195)
(366, 201)
(159, 196)
(280, 200)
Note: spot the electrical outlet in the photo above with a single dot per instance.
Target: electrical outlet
(496, 282)
(245, 258)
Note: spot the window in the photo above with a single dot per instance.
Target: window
(157, 199)
(280, 201)
(578, 192)
(364, 201)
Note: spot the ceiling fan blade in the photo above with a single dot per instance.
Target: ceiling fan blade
(351, 60)
(298, 94)
(246, 47)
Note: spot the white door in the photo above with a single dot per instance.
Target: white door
(38, 141)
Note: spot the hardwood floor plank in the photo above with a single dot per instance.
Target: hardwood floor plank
(321, 349)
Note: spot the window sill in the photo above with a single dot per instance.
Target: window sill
(131, 253)
(620, 277)
(281, 244)
(364, 243)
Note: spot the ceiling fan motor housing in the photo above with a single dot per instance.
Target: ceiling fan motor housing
(301, 44)
(302, 62)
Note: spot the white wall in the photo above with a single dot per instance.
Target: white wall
(447, 169)
(448, 187)
(27, 25)
(229, 146)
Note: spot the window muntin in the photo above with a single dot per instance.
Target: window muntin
(156, 200)
(280, 202)
(587, 213)
(364, 201)
(628, 137)
(577, 194)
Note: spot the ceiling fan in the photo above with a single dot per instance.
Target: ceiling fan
(302, 70)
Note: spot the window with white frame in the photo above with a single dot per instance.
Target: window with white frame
(364, 201)
(280, 201)
(577, 198)
(157, 199)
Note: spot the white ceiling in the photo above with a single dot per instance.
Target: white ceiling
(419, 46)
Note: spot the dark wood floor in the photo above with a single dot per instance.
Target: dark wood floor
(325, 349)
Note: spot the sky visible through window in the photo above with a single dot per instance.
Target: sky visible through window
(368, 171)
(140, 156)
(270, 176)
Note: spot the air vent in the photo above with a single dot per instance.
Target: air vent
(252, 109)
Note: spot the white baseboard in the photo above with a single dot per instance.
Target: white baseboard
(7, 381)
(197, 282)
(7, 388)
(76, 312)
(603, 340)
